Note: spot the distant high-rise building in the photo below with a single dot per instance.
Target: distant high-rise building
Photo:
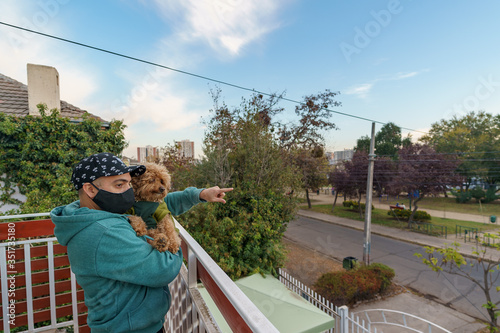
(147, 154)
(342, 155)
(186, 148)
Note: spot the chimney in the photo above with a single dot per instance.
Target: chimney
(43, 87)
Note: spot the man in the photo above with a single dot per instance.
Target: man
(125, 280)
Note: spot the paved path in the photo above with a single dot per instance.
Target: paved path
(383, 204)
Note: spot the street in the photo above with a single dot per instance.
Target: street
(340, 242)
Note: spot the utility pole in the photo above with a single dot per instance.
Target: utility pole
(368, 208)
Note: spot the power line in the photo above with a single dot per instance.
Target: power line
(192, 74)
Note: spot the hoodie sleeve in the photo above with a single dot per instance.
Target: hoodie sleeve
(123, 256)
(180, 202)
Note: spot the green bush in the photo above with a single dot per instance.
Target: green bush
(491, 194)
(244, 235)
(349, 287)
(461, 196)
(421, 215)
(353, 205)
(405, 214)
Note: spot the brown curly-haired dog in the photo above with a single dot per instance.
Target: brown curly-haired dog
(152, 217)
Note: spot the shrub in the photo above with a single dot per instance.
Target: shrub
(461, 196)
(421, 215)
(491, 194)
(349, 287)
(405, 214)
(353, 205)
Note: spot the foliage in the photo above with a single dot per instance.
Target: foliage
(462, 196)
(421, 171)
(354, 205)
(39, 153)
(405, 214)
(349, 287)
(304, 139)
(475, 138)
(244, 235)
(387, 141)
(451, 261)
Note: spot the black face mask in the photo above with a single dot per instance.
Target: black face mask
(117, 203)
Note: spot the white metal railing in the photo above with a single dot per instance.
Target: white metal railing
(311, 296)
(248, 311)
(193, 314)
(401, 319)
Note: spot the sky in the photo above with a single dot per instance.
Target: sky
(412, 63)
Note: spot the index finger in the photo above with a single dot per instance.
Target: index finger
(226, 189)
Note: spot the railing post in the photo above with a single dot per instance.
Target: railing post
(344, 317)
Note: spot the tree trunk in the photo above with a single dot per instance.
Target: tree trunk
(445, 193)
(335, 201)
(308, 199)
(415, 207)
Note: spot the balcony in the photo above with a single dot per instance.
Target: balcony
(39, 291)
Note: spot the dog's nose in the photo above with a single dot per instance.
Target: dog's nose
(162, 189)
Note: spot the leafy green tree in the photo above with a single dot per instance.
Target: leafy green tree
(475, 138)
(451, 261)
(304, 139)
(241, 151)
(39, 153)
(388, 140)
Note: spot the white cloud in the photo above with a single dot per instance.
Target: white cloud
(223, 24)
(361, 90)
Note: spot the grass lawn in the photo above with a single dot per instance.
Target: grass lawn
(448, 204)
(379, 216)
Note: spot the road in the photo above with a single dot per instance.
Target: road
(340, 242)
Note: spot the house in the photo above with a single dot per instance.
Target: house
(18, 99)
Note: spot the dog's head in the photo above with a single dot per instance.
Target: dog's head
(153, 185)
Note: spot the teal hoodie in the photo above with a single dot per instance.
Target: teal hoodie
(125, 280)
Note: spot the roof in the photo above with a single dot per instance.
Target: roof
(14, 101)
(286, 310)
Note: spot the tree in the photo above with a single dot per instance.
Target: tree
(421, 171)
(451, 261)
(304, 140)
(339, 180)
(475, 139)
(242, 151)
(388, 141)
(39, 153)
(357, 170)
(313, 166)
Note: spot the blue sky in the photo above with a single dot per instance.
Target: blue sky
(409, 62)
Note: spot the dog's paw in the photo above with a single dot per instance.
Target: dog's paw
(161, 243)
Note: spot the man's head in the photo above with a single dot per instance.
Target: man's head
(103, 181)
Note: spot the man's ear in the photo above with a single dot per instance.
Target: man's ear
(90, 190)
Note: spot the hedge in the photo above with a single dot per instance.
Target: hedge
(349, 287)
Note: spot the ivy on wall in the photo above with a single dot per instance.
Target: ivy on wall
(38, 154)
